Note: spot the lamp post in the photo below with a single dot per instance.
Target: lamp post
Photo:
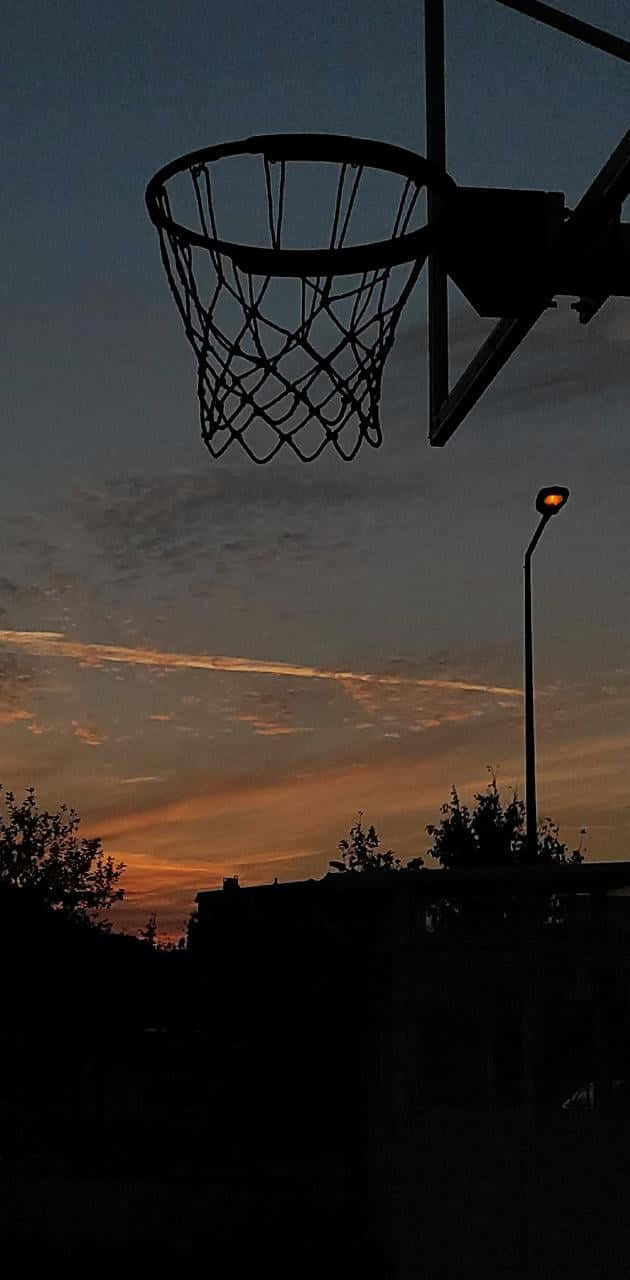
(549, 502)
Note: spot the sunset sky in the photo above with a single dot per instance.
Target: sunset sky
(216, 664)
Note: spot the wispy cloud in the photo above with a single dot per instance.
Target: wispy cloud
(329, 789)
(150, 777)
(91, 737)
(53, 644)
(268, 715)
(191, 832)
(9, 715)
(267, 728)
(38, 730)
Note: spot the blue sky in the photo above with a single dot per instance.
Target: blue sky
(119, 530)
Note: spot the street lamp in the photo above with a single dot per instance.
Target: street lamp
(549, 502)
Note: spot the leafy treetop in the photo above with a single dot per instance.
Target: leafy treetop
(493, 834)
(362, 853)
(41, 853)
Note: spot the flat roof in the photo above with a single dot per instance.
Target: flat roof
(586, 877)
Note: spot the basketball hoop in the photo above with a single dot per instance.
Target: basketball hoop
(290, 341)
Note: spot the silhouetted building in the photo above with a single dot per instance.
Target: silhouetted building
(489, 1000)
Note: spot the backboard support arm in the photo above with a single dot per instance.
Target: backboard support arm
(570, 26)
(506, 336)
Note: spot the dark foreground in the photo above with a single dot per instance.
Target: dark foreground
(494, 1195)
(292, 1129)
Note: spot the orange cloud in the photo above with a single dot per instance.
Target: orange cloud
(9, 715)
(52, 644)
(37, 729)
(243, 801)
(87, 735)
(249, 819)
(267, 728)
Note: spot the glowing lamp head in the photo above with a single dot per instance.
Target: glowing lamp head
(552, 499)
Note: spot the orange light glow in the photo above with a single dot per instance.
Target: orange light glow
(553, 500)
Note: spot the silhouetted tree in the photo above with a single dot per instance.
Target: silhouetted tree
(361, 852)
(149, 933)
(42, 854)
(192, 930)
(492, 834)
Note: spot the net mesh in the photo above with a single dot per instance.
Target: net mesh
(295, 362)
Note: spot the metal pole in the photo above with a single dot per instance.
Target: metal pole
(436, 152)
(531, 819)
(530, 742)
